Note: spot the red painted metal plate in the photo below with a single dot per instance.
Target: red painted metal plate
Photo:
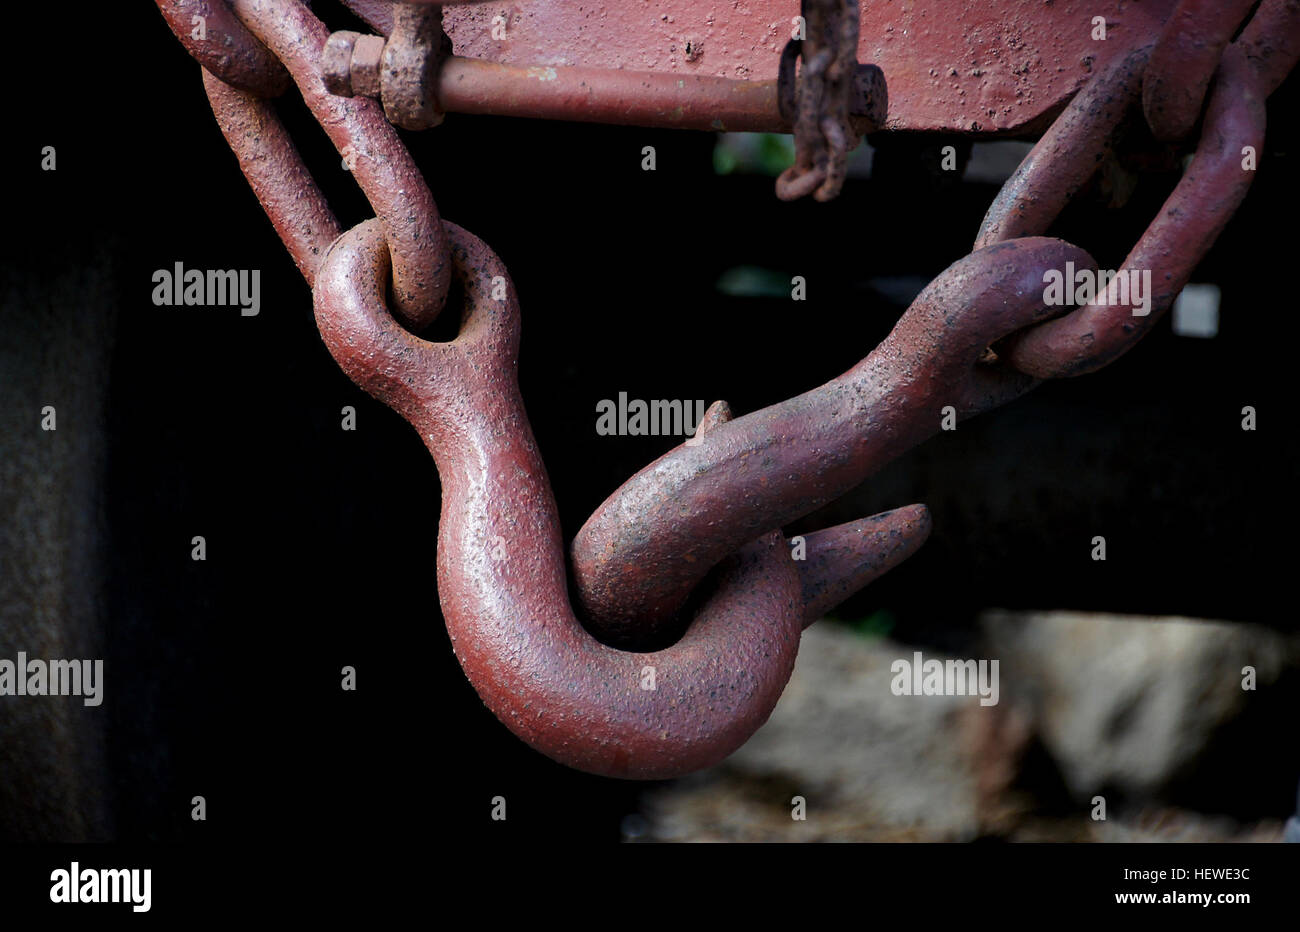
(975, 67)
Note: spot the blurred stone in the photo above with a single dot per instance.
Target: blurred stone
(1114, 701)
(872, 766)
(1128, 703)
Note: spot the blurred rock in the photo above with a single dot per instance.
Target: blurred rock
(871, 765)
(1113, 701)
(1128, 703)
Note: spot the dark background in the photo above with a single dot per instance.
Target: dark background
(224, 675)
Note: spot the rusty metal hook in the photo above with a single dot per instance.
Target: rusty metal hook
(501, 569)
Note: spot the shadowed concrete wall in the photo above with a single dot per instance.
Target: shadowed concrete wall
(55, 351)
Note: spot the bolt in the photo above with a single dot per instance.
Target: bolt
(367, 57)
(869, 106)
(336, 62)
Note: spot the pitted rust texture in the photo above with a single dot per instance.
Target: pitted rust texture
(412, 57)
(500, 562)
(336, 62)
(845, 558)
(276, 173)
(378, 160)
(968, 67)
(1193, 216)
(825, 91)
(638, 557)
(1185, 58)
(1067, 155)
(541, 674)
(223, 46)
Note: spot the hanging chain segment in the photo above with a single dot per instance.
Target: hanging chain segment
(650, 543)
(714, 506)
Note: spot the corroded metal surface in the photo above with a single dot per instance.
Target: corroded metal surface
(702, 102)
(648, 545)
(375, 155)
(501, 573)
(224, 46)
(1193, 216)
(708, 512)
(1184, 60)
(843, 559)
(966, 67)
(276, 173)
(827, 84)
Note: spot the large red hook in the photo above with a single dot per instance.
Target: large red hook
(501, 568)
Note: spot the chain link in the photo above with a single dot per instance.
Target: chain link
(650, 543)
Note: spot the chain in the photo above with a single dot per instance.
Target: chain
(977, 337)
(684, 512)
(819, 103)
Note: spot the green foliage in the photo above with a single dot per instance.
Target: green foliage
(753, 153)
(876, 625)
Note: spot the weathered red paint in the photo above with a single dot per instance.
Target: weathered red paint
(501, 568)
(500, 560)
(956, 66)
(599, 95)
(1067, 155)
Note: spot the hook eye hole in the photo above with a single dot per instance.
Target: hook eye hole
(445, 328)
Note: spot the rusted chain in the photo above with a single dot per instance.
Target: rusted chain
(649, 544)
(375, 153)
(657, 534)
(220, 43)
(275, 171)
(1193, 216)
(716, 503)
(1067, 155)
(1184, 60)
(581, 702)
(824, 134)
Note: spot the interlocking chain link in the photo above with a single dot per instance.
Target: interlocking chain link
(819, 104)
(689, 508)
